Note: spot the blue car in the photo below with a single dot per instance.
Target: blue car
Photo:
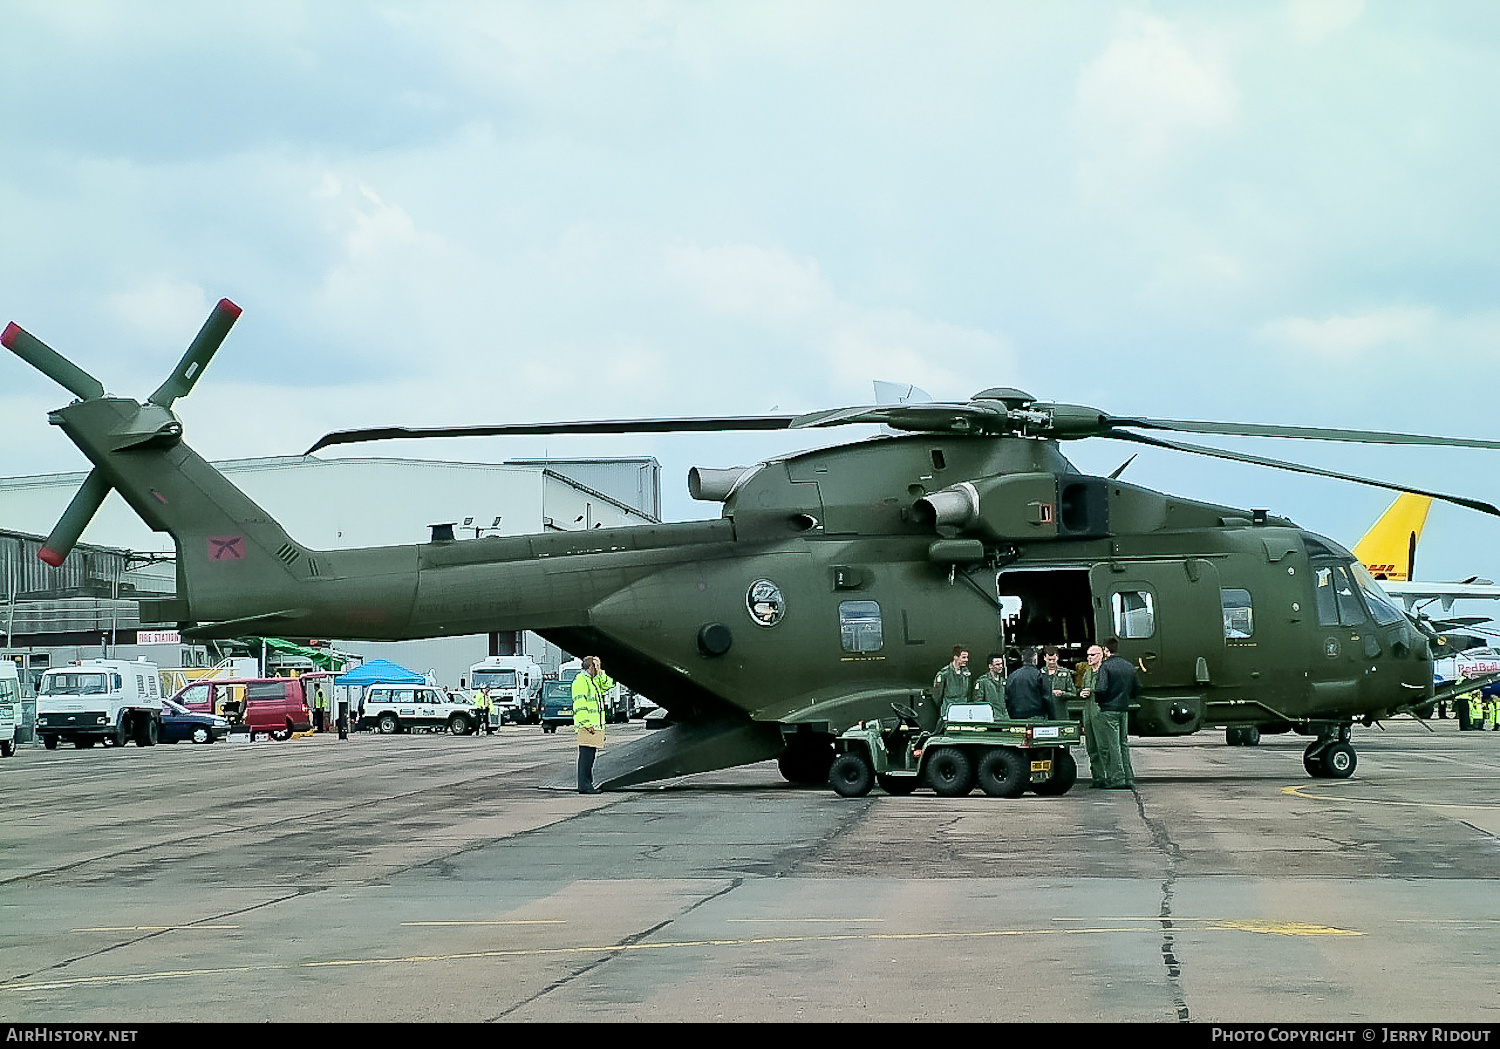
(557, 705)
(179, 724)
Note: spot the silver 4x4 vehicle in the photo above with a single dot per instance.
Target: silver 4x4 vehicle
(401, 708)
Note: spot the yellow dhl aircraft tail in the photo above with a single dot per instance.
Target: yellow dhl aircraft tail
(1389, 548)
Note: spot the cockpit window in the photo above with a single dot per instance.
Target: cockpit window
(1338, 603)
(1382, 609)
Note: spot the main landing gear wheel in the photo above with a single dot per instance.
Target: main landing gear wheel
(1333, 761)
(851, 776)
(1004, 773)
(950, 772)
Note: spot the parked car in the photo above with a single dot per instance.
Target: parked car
(179, 724)
(557, 705)
(276, 706)
(400, 708)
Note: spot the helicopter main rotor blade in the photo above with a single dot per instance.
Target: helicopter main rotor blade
(1277, 464)
(1311, 433)
(698, 424)
(198, 354)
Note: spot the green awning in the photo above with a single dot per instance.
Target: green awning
(322, 658)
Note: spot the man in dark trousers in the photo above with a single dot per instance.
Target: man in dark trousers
(1028, 693)
(1116, 687)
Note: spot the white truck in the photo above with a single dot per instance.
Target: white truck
(109, 701)
(10, 706)
(514, 684)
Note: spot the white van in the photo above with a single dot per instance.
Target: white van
(99, 701)
(10, 706)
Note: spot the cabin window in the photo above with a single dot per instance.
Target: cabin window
(859, 626)
(1134, 613)
(1239, 616)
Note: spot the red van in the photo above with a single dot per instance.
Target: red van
(275, 706)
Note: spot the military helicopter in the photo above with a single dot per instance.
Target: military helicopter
(832, 584)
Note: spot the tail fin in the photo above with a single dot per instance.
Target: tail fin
(242, 564)
(1389, 549)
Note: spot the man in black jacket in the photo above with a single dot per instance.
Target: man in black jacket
(1028, 693)
(1116, 687)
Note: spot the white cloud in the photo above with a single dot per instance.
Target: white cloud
(161, 310)
(1314, 20)
(770, 285)
(1151, 88)
(1348, 337)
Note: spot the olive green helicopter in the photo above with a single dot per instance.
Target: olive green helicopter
(833, 583)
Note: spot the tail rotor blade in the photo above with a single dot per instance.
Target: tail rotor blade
(50, 363)
(75, 519)
(204, 346)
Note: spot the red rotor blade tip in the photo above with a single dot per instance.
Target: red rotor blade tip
(11, 331)
(53, 559)
(225, 306)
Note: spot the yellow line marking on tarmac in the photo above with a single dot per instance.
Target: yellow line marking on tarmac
(1269, 926)
(1298, 791)
(151, 928)
(497, 921)
(620, 949)
(799, 921)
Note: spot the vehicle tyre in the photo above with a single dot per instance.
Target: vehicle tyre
(280, 735)
(388, 724)
(7, 747)
(1064, 775)
(146, 732)
(1004, 773)
(1339, 761)
(897, 786)
(110, 740)
(851, 775)
(458, 725)
(50, 742)
(202, 735)
(950, 772)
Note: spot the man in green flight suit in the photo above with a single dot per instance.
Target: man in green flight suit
(990, 688)
(588, 718)
(949, 687)
(1060, 679)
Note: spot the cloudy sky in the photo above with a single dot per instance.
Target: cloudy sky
(479, 212)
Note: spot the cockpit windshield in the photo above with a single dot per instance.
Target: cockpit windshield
(1382, 608)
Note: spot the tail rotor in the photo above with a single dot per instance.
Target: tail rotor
(151, 423)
